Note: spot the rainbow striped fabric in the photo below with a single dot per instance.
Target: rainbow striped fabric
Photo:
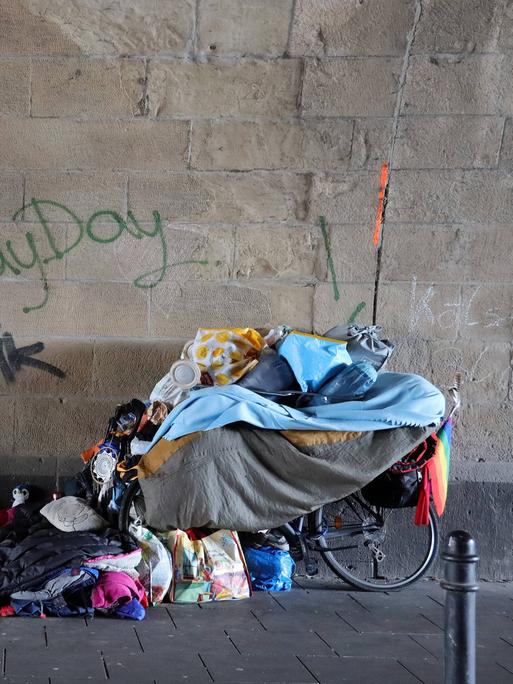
(438, 466)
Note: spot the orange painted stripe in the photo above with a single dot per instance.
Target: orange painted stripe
(383, 178)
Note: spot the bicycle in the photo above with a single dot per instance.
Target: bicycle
(359, 542)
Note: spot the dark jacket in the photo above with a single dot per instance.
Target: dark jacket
(27, 564)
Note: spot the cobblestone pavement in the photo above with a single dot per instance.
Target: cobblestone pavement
(318, 633)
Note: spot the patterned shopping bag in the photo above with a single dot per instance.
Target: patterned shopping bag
(208, 568)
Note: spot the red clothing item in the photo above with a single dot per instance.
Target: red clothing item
(6, 516)
(117, 587)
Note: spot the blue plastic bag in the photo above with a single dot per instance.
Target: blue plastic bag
(313, 359)
(270, 569)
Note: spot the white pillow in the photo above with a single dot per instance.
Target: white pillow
(71, 514)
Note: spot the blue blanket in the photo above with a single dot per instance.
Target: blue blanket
(395, 400)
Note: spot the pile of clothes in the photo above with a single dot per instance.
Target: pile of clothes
(245, 432)
(49, 569)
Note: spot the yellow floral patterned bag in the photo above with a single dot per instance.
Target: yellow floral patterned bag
(226, 354)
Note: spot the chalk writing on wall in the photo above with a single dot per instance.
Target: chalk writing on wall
(480, 367)
(460, 312)
(94, 229)
(12, 359)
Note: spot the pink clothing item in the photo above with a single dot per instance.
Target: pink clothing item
(114, 587)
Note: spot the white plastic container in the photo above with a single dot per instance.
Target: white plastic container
(175, 385)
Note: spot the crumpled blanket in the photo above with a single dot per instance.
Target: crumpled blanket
(395, 400)
(244, 478)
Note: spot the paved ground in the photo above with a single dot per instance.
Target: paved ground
(319, 632)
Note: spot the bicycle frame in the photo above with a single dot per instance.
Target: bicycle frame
(303, 542)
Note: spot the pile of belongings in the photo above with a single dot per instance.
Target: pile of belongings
(63, 560)
(276, 426)
(246, 432)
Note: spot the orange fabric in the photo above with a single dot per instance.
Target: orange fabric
(436, 476)
(306, 438)
(89, 453)
(383, 179)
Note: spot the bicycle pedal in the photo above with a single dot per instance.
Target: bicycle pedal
(311, 568)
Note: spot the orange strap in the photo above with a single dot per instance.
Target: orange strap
(383, 178)
(89, 453)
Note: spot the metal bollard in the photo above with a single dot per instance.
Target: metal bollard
(460, 584)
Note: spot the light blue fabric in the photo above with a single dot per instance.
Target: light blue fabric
(395, 400)
(313, 359)
(350, 383)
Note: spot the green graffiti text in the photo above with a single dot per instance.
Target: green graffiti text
(103, 227)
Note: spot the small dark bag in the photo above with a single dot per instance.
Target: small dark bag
(390, 490)
(400, 485)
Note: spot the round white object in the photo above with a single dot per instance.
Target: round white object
(185, 374)
(104, 465)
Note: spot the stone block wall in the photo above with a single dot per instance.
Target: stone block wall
(164, 165)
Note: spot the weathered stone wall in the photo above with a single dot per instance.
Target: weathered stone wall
(241, 122)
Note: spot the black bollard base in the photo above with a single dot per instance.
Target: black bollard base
(460, 583)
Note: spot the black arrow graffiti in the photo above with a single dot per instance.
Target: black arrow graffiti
(13, 358)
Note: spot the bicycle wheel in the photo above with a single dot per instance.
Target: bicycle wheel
(375, 549)
(132, 508)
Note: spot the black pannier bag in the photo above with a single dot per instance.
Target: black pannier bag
(400, 485)
(390, 490)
